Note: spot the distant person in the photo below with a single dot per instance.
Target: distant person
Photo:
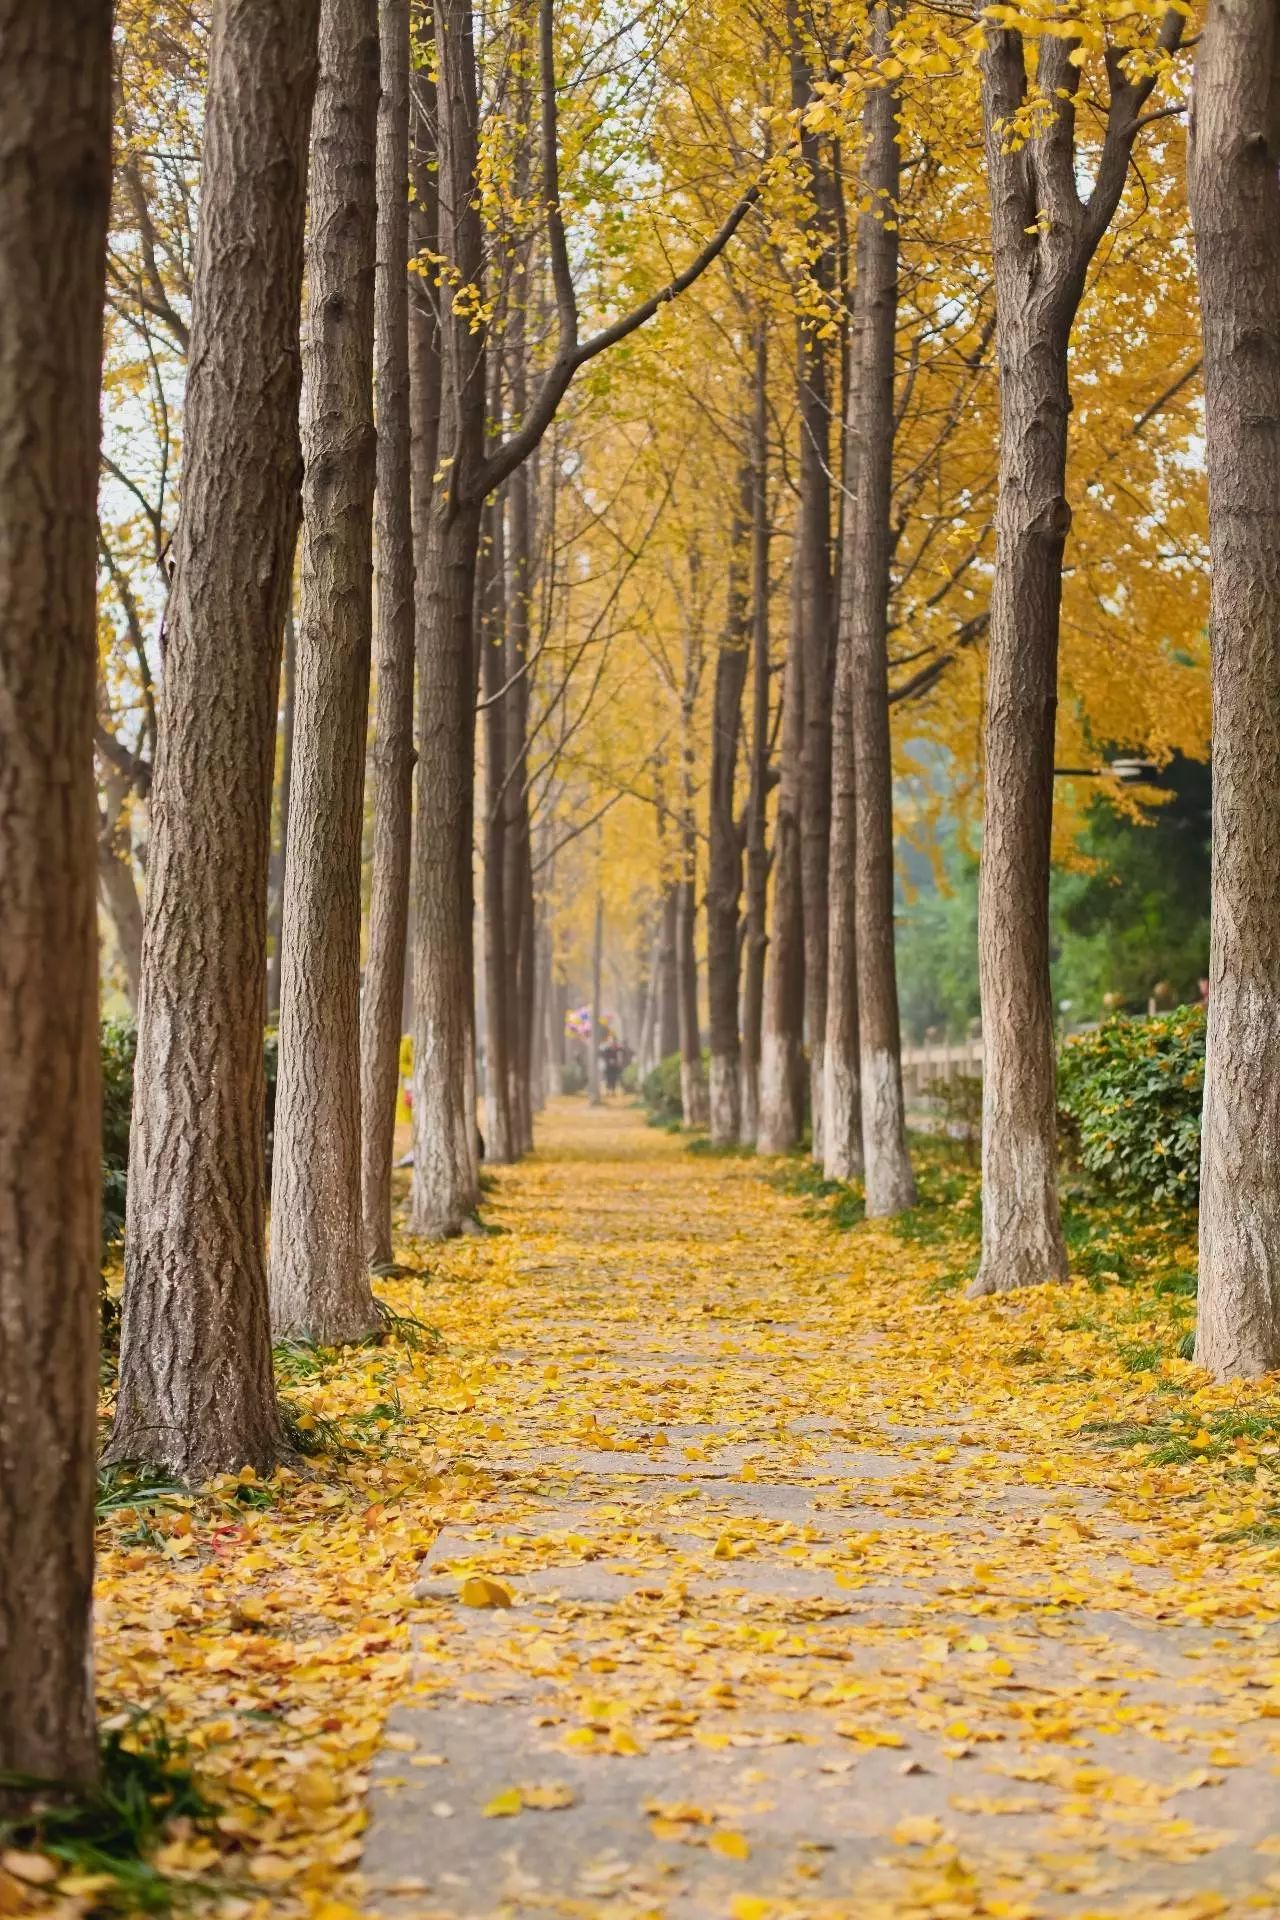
(611, 1061)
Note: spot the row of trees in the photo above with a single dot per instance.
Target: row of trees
(817, 174)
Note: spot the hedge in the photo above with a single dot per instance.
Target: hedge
(1129, 1096)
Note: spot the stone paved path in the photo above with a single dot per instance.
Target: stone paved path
(820, 1607)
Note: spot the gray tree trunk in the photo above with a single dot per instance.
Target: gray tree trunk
(668, 976)
(724, 841)
(382, 996)
(55, 185)
(780, 1121)
(499, 1136)
(813, 607)
(890, 1185)
(275, 888)
(319, 1281)
(519, 901)
(841, 1079)
(117, 887)
(196, 1395)
(1044, 237)
(755, 934)
(1235, 202)
(445, 1174)
(693, 1079)
(842, 1156)
(597, 958)
(446, 1186)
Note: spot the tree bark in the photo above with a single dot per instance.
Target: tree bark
(1044, 237)
(117, 887)
(196, 1395)
(842, 1157)
(275, 889)
(755, 936)
(647, 1048)
(1235, 202)
(813, 609)
(445, 1175)
(890, 1185)
(724, 838)
(382, 997)
(668, 979)
(499, 1137)
(319, 1281)
(693, 1081)
(521, 963)
(446, 1188)
(597, 957)
(55, 185)
(518, 849)
(780, 1121)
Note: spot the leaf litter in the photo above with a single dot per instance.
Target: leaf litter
(992, 1571)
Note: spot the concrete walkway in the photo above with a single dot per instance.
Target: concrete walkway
(815, 1609)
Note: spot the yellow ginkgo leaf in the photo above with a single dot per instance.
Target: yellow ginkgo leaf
(547, 1799)
(919, 1830)
(504, 1804)
(734, 1846)
(478, 1590)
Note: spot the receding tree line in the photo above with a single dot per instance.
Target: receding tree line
(396, 425)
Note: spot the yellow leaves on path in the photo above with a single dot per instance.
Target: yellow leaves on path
(850, 1599)
(477, 1591)
(513, 1800)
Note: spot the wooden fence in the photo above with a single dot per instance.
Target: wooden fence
(924, 1067)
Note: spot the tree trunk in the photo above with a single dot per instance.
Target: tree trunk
(540, 1054)
(319, 1281)
(117, 887)
(522, 1097)
(518, 878)
(1235, 203)
(446, 1186)
(597, 956)
(1043, 238)
(275, 889)
(813, 610)
(647, 1049)
(724, 857)
(890, 1186)
(196, 1395)
(382, 998)
(668, 978)
(755, 940)
(781, 1116)
(841, 1078)
(693, 1082)
(1022, 1235)
(499, 1137)
(55, 185)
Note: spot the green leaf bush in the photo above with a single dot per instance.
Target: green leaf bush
(119, 1046)
(1129, 1098)
(660, 1091)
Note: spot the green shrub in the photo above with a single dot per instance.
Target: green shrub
(660, 1091)
(1129, 1096)
(119, 1045)
(573, 1076)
